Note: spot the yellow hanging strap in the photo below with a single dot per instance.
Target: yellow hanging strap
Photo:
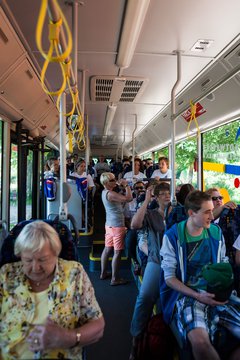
(80, 140)
(70, 141)
(54, 31)
(193, 117)
(43, 73)
(74, 96)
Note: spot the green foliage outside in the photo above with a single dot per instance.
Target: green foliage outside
(219, 146)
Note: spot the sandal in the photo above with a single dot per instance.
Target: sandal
(118, 282)
(105, 276)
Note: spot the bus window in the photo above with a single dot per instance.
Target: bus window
(159, 153)
(13, 186)
(221, 154)
(1, 137)
(29, 185)
(186, 151)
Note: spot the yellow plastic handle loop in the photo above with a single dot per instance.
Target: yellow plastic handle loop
(41, 18)
(66, 69)
(43, 73)
(54, 30)
(193, 117)
(70, 141)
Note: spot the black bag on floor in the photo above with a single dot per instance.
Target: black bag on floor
(156, 342)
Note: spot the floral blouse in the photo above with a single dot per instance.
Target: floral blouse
(71, 303)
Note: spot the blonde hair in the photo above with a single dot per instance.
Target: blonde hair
(211, 190)
(105, 177)
(35, 235)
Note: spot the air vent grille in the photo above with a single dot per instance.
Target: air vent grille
(130, 90)
(117, 89)
(103, 89)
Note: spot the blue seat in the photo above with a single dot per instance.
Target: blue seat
(69, 247)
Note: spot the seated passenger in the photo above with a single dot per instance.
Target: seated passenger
(137, 175)
(149, 168)
(80, 172)
(153, 222)
(218, 205)
(163, 172)
(187, 248)
(54, 169)
(101, 167)
(236, 245)
(175, 214)
(48, 306)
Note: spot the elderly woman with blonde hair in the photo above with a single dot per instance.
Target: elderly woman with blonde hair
(48, 306)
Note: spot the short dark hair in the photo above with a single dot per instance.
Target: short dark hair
(164, 158)
(163, 186)
(195, 199)
(183, 192)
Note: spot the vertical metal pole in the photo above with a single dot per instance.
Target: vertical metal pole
(173, 135)
(199, 163)
(133, 145)
(75, 39)
(87, 161)
(63, 176)
(123, 144)
(5, 174)
(43, 209)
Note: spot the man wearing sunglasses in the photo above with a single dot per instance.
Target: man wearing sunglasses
(218, 204)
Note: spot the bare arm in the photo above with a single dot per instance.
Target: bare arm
(237, 257)
(137, 220)
(203, 297)
(52, 336)
(113, 196)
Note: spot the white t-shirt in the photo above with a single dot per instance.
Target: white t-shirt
(158, 173)
(236, 244)
(129, 176)
(84, 175)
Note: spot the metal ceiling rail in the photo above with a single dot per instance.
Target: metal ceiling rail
(133, 146)
(213, 88)
(173, 118)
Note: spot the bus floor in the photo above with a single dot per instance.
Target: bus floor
(117, 304)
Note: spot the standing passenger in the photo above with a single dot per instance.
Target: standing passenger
(115, 225)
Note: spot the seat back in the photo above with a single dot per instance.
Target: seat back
(69, 248)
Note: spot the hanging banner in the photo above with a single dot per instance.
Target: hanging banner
(199, 111)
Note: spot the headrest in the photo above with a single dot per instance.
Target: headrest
(66, 192)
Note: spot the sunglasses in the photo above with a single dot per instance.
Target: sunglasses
(139, 188)
(215, 198)
(112, 180)
(149, 163)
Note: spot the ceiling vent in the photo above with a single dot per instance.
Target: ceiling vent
(117, 89)
(108, 139)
